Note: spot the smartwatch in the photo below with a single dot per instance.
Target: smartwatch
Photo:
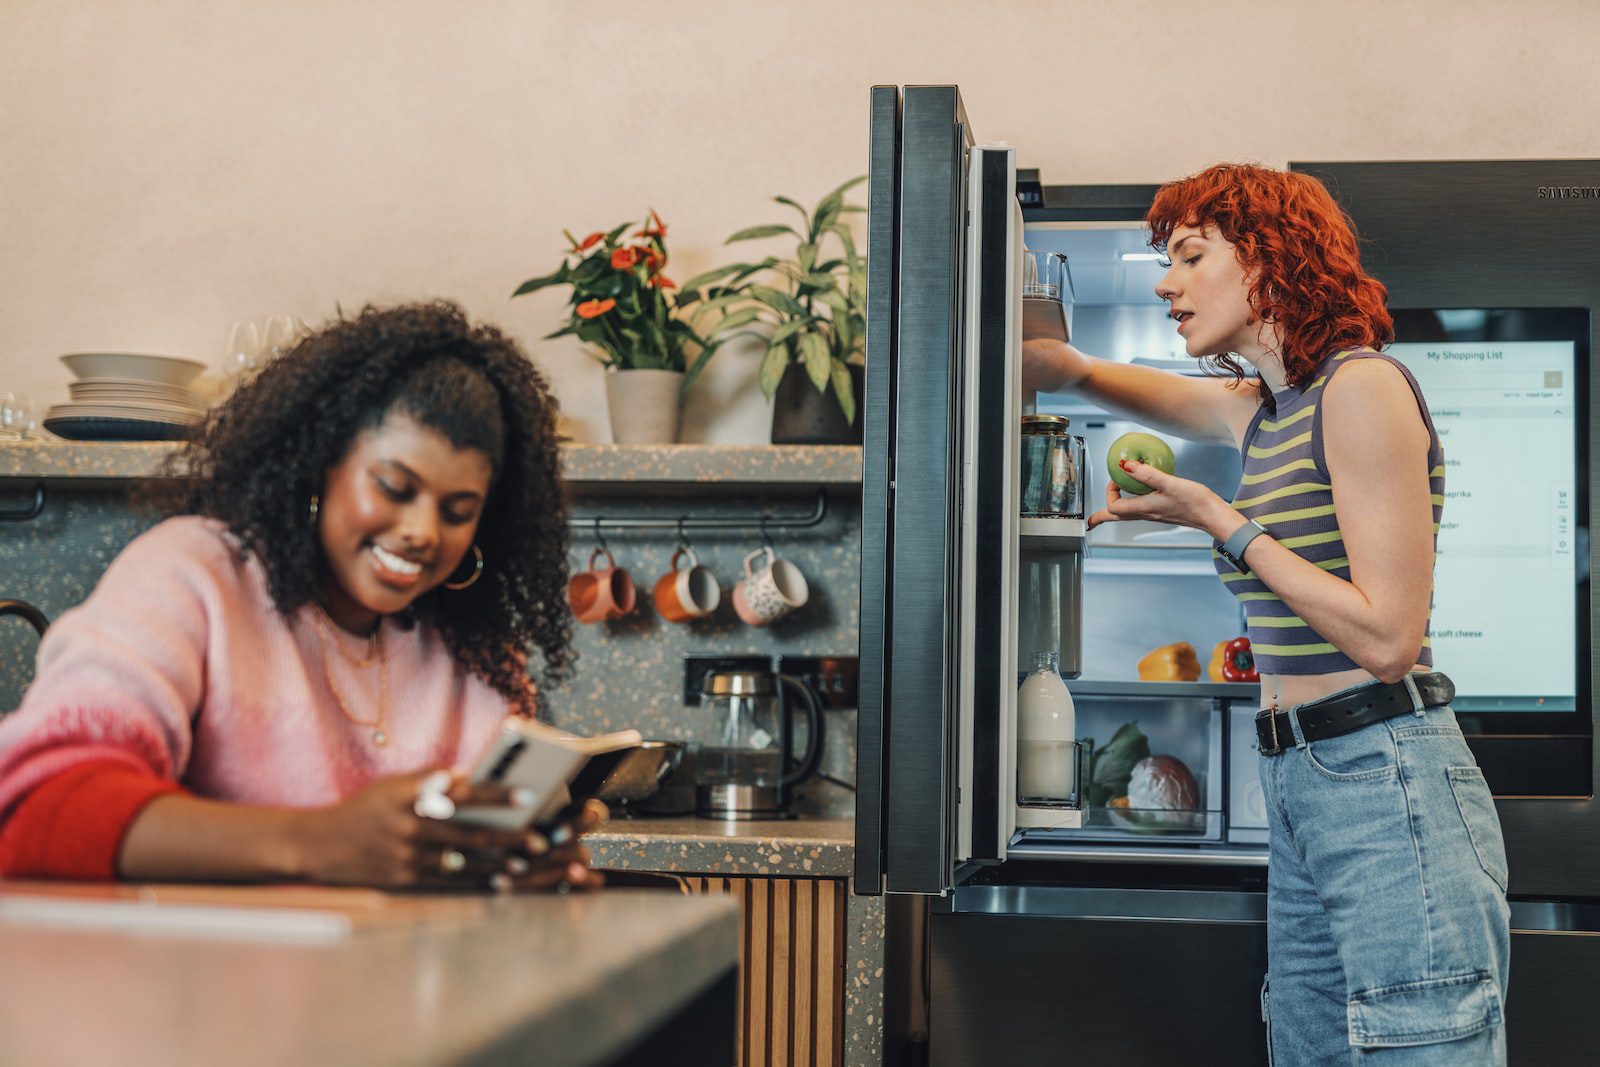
(1233, 548)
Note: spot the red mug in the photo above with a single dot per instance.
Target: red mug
(600, 594)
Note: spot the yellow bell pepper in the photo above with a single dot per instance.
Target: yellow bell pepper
(1170, 663)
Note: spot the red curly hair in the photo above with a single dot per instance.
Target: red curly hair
(1301, 247)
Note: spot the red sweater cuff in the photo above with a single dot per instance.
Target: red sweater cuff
(71, 825)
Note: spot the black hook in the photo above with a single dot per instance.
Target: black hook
(26, 514)
(599, 537)
(683, 535)
(766, 537)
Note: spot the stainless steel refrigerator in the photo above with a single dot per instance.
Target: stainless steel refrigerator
(1106, 940)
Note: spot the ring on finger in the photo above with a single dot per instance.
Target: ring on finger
(452, 860)
(432, 801)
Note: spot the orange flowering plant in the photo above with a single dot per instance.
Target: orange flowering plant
(623, 305)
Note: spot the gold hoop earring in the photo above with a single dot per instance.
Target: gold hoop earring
(313, 510)
(477, 572)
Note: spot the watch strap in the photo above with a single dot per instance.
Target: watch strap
(1233, 548)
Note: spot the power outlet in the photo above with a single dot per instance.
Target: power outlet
(696, 665)
(835, 678)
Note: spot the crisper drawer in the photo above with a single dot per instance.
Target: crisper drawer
(1157, 769)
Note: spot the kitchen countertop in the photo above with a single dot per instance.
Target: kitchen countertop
(805, 847)
(346, 976)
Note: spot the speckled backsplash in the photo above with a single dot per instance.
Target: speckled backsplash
(54, 561)
(629, 672)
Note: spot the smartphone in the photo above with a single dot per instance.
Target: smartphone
(560, 770)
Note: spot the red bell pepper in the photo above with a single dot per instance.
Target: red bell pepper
(1232, 661)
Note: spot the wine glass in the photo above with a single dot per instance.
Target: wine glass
(244, 350)
(17, 417)
(279, 335)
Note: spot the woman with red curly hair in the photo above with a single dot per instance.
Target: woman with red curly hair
(1387, 924)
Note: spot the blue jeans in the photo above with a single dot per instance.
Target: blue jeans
(1388, 932)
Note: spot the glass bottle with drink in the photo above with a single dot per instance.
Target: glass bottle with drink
(1045, 727)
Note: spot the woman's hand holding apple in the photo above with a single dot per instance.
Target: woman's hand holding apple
(1173, 500)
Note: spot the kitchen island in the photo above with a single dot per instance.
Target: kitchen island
(174, 975)
(812, 952)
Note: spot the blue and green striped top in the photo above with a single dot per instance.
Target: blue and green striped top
(1287, 489)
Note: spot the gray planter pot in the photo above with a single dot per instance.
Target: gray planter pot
(803, 416)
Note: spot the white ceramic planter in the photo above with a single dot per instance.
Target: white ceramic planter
(644, 406)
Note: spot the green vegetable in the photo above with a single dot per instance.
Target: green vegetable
(1111, 767)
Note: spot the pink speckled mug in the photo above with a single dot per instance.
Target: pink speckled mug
(767, 594)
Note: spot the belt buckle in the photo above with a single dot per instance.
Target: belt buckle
(1272, 726)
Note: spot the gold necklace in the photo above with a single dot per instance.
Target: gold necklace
(379, 736)
(372, 648)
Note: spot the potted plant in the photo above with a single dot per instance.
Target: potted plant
(816, 309)
(623, 308)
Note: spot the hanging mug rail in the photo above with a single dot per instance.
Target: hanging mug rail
(733, 523)
(26, 514)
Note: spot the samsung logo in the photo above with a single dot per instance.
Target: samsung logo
(1569, 192)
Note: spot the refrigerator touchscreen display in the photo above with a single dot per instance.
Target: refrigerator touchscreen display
(1510, 557)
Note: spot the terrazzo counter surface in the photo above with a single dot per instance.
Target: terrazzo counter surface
(53, 459)
(792, 848)
(246, 975)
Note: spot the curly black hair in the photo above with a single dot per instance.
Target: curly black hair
(259, 457)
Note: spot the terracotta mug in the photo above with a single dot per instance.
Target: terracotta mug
(686, 593)
(767, 594)
(600, 594)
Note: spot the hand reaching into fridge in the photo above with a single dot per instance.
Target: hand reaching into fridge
(1049, 365)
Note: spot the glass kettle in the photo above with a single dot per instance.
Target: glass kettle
(746, 767)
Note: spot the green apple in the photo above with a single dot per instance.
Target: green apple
(1141, 448)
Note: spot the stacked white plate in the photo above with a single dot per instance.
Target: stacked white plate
(127, 397)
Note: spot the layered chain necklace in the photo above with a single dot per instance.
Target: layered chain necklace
(375, 651)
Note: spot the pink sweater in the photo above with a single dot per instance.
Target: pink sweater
(178, 665)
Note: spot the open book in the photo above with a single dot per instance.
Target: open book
(559, 769)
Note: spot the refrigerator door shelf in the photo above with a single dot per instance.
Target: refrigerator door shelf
(1054, 535)
(1042, 818)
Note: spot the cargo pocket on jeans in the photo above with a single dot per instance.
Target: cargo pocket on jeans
(1424, 1012)
(1476, 805)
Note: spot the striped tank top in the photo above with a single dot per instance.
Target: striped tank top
(1287, 489)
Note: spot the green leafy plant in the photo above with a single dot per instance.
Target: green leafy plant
(622, 303)
(815, 305)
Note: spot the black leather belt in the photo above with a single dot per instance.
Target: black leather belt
(1347, 712)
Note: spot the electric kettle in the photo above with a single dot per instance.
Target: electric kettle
(746, 767)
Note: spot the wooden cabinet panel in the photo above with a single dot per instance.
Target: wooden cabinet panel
(791, 966)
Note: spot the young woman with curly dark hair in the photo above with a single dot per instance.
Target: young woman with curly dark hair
(366, 542)
(1387, 922)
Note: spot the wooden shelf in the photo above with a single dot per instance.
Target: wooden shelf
(583, 465)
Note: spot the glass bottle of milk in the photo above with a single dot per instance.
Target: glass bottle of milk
(1045, 729)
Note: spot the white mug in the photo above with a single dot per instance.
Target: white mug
(766, 595)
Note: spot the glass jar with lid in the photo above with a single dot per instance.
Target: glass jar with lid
(1053, 468)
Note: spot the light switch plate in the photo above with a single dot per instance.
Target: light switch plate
(836, 678)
